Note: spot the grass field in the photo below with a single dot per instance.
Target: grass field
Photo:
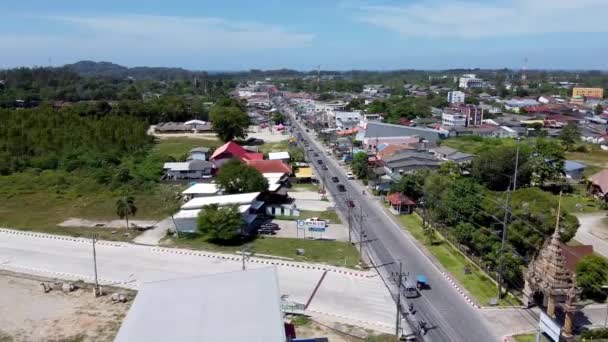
(305, 186)
(177, 147)
(475, 144)
(477, 283)
(597, 158)
(278, 146)
(334, 253)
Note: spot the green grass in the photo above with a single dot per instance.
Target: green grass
(477, 283)
(177, 147)
(278, 146)
(334, 253)
(305, 186)
(474, 145)
(525, 338)
(589, 205)
(597, 158)
(329, 215)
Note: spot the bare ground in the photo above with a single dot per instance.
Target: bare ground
(117, 224)
(29, 314)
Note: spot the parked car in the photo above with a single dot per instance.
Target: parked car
(341, 188)
(324, 167)
(350, 203)
(270, 225)
(319, 161)
(335, 179)
(315, 154)
(268, 231)
(349, 175)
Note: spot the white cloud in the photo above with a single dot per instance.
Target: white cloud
(142, 39)
(467, 19)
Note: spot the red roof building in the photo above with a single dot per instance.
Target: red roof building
(269, 166)
(400, 203)
(231, 150)
(573, 254)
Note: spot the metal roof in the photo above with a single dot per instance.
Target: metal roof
(236, 306)
(278, 155)
(378, 129)
(201, 188)
(199, 202)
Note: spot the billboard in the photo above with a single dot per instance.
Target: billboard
(303, 224)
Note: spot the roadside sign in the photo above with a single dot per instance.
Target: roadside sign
(317, 229)
(301, 224)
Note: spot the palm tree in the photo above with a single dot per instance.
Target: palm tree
(125, 207)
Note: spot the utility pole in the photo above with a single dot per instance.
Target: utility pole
(362, 234)
(350, 223)
(246, 253)
(518, 139)
(97, 291)
(505, 224)
(399, 284)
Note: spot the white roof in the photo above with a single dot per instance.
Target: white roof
(179, 166)
(278, 155)
(193, 213)
(201, 188)
(195, 122)
(199, 202)
(236, 306)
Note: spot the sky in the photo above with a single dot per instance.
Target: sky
(337, 35)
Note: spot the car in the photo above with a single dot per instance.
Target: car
(335, 179)
(268, 231)
(315, 154)
(324, 167)
(350, 203)
(349, 175)
(270, 225)
(319, 161)
(341, 188)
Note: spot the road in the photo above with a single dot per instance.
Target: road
(359, 298)
(593, 231)
(451, 317)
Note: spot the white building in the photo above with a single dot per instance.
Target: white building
(366, 118)
(469, 81)
(453, 119)
(456, 96)
(347, 120)
(201, 190)
(282, 156)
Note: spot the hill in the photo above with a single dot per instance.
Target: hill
(108, 69)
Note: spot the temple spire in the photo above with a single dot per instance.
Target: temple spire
(559, 207)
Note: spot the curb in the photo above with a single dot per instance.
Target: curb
(64, 275)
(258, 261)
(62, 237)
(455, 285)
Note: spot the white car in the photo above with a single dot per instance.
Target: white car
(350, 175)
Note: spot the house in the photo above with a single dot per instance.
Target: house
(248, 203)
(598, 185)
(232, 150)
(506, 132)
(200, 190)
(202, 308)
(282, 156)
(574, 170)
(192, 169)
(199, 153)
(451, 154)
(269, 166)
(400, 203)
(373, 143)
(347, 120)
(380, 130)
(409, 161)
(449, 118)
(199, 126)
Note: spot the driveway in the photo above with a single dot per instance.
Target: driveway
(593, 231)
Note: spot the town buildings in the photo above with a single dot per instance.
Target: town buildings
(470, 81)
(456, 96)
(597, 93)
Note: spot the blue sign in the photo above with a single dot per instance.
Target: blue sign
(316, 229)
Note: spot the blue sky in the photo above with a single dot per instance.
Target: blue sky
(270, 34)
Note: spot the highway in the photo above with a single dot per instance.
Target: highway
(448, 315)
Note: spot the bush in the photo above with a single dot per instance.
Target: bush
(596, 333)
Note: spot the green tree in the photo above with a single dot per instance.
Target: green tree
(220, 223)
(229, 122)
(570, 135)
(296, 154)
(493, 166)
(125, 207)
(599, 109)
(411, 184)
(235, 178)
(360, 165)
(591, 275)
(278, 118)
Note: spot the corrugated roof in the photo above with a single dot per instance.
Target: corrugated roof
(378, 129)
(278, 155)
(269, 166)
(199, 202)
(236, 306)
(201, 188)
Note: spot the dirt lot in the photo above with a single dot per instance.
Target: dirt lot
(336, 332)
(29, 314)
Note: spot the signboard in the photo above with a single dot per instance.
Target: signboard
(549, 327)
(311, 224)
(316, 229)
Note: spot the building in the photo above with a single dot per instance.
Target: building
(597, 93)
(450, 154)
(598, 185)
(380, 130)
(474, 114)
(232, 150)
(574, 170)
(347, 120)
(235, 306)
(400, 203)
(405, 162)
(456, 96)
(199, 153)
(199, 126)
(470, 81)
(453, 119)
(282, 156)
(200, 190)
(192, 169)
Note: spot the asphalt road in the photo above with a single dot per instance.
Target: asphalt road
(446, 312)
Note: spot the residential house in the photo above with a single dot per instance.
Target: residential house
(451, 154)
(202, 308)
(200, 190)
(232, 150)
(172, 127)
(199, 153)
(507, 132)
(400, 203)
(574, 170)
(409, 161)
(199, 126)
(372, 143)
(282, 156)
(191, 169)
(598, 185)
(347, 120)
